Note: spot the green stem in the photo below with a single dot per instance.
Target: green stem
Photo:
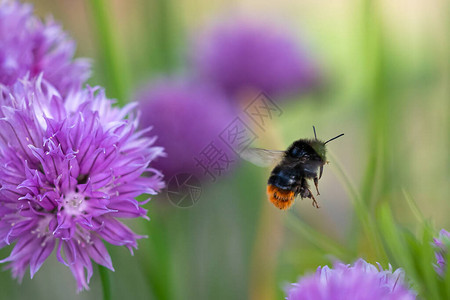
(106, 284)
(361, 209)
(378, 177)
(164, 33)
(413, 207)
(375, 93)
(113, 61)
(319, 240)
(157, 266)
(161, 38)
(447, 95)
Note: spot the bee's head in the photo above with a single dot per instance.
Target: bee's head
(319, 146)
(312, 150)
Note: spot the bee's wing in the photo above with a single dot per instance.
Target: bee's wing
(262, 157)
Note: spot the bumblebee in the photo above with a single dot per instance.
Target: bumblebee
(302, 161)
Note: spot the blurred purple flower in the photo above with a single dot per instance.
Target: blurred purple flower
(360, 281)
(68, 170)
(186, 117)
(28, 46)
(244, 55)
(441, 244)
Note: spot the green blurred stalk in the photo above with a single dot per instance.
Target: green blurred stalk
(161, 20)
(112, 58)
(429, 274)
(447, 278)
(164, 33)
(412, 254)
(106, 284)
(394, 240)
(362, 211)
(157, 266)
(379, 177)
(375, 91)
(325, 243)
(268, 239)
(447, 72)
(413, 207)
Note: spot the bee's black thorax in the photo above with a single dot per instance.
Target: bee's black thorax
(302, 161)
(306, 150)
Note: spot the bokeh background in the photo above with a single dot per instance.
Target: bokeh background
(384, 81)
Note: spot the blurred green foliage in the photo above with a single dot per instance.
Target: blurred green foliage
(386, 87)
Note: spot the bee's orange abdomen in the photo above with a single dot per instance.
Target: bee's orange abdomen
(282, 199)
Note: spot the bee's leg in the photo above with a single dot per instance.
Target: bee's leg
(314, 203)
(316, 183)
(298, 190)
(303, 189)
(306, 193)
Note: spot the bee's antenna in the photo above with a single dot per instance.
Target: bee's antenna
(334, 138)
(314, 129)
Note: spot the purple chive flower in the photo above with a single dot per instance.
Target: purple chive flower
(28, 46)
(68, 171)
(243, 55)
(186, 117)
(360, 281)
(441, 244)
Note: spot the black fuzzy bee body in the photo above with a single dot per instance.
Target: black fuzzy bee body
(302, 161)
